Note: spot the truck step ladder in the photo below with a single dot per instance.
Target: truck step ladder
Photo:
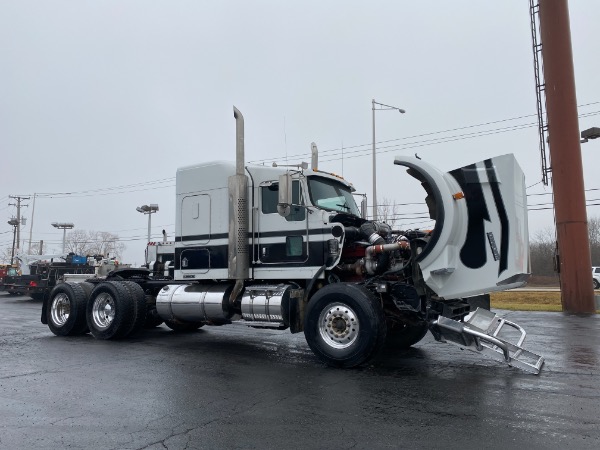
(481, 333)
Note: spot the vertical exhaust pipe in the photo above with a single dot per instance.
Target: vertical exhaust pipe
(314, 153)
(238, 255)
(239, 142)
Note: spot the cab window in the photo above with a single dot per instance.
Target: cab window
(270, 196)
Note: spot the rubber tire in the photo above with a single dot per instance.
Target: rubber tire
(371, 318)
(596, 284)
(76, 322)
(124, 311)
(183, 327)
(139, 306)
(87, 288)
(403, 338)
(152, 319)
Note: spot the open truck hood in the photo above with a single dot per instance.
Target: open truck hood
(480, 241)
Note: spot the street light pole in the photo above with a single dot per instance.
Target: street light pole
(374, 165)
(64, 227)
(383, 107)
(148, 209)
(590, 133)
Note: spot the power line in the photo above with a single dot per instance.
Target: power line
(332, 152)
(482, 133)
(109, 190)
(103, 192)
(442, 140)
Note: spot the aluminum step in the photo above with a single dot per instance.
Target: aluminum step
(485, 332)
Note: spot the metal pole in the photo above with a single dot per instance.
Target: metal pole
(31, 225)
(18, 205)
(64, 238)
(18, 224)
(12, 255)
(149, 224)
(577, 294)
(374, 165)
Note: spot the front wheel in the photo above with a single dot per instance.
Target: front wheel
(345, 325)
(404, 335)
(596, 284)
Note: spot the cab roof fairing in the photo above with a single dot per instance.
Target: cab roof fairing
(265, 173)
(262, 172)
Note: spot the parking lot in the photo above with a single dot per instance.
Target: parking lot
(235, 387)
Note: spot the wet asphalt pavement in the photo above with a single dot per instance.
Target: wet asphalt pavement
(236, 387)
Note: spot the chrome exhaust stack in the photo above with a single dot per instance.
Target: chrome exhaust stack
(314, 154)
(238, 257)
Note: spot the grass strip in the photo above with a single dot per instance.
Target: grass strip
(527, 301)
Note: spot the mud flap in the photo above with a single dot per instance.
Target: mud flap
(44, 318)
(485, 332)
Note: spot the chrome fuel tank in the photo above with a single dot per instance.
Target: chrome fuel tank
(267, 303)
(195, 303)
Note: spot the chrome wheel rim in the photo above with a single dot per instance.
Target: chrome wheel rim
(60, 309)
(338, 325)
(103, 310)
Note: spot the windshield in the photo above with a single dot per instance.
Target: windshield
(331, 195)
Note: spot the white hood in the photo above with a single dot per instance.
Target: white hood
(480, 242)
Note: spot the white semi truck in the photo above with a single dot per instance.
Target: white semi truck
(287, 248)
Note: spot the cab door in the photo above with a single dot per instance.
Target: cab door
(281, 240)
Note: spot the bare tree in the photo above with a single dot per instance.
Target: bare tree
(387, 212)
(594, 234)
(78, 242)
(37, 248)
(5, 255)
(105, 243)
(542, 249)
(82, 242)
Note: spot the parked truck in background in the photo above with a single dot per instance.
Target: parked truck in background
(287, 248)
(160, 257)
(42, 272)
(7, 272)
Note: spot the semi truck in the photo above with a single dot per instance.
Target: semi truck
(286, 247)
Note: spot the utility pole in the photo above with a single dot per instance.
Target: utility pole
(19, 199)
(31, 224)
(577, 294)
(14, 223)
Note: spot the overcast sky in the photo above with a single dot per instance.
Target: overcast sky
(106, 99)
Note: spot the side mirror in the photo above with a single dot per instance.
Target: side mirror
(363, 207)
(285, 195)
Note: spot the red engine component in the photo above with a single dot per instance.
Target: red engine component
(353, 252)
